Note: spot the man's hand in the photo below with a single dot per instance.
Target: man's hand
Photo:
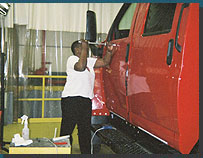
(82, 54)
(84, 44)
(109, 47)
(102, 62)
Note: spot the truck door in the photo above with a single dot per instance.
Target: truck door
(154, 70)
(115, 76)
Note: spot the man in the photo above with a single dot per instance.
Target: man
(76, 102)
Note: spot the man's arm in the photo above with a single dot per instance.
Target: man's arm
(82, 62)
(96, 51)
(102, 62)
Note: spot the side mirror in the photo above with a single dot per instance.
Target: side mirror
(91, 27)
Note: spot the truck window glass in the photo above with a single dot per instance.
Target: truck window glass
(126, 20)
(159, 18)
(122, 25)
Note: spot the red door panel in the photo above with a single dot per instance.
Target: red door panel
(152, 82)
(114, 78)
(155, 102)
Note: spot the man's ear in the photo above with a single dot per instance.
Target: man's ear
(76, 50)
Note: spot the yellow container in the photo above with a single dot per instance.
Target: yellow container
(42, 146)
(38, 127)
(39, 150)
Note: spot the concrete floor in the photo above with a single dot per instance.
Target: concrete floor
(104, 149)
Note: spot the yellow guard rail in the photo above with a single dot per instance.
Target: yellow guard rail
(43, 99)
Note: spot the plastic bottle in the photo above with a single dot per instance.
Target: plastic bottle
(25, 131)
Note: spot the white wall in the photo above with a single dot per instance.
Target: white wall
(63, 22)
(61, 16)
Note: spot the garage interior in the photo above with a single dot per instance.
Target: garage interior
(36, 41)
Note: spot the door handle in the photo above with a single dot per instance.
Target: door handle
(126, 72)
(177, 46)
(170, 52)
(127, 53)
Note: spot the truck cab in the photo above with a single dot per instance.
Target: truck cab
(153, 79)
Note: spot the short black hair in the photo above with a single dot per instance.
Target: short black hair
(75, 45)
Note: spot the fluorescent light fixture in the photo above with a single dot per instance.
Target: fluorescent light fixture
(4, 7)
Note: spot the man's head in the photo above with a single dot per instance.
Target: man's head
(76, 48)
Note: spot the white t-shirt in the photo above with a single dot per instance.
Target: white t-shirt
(79, 83)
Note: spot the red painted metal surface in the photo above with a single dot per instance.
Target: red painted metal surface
(98, 102)
(114, 80)
(152, 83)
(188, 86)
(161, 99)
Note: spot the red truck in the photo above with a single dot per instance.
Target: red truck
(153, 79)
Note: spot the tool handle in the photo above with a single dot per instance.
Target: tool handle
(98, 43)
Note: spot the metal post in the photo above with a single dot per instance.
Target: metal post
(2, 97)
(2, 81)
(4, 7)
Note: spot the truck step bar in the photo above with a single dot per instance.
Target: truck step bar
(119, 142)
(124, 138)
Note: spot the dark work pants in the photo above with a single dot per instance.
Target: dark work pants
(77, 110)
